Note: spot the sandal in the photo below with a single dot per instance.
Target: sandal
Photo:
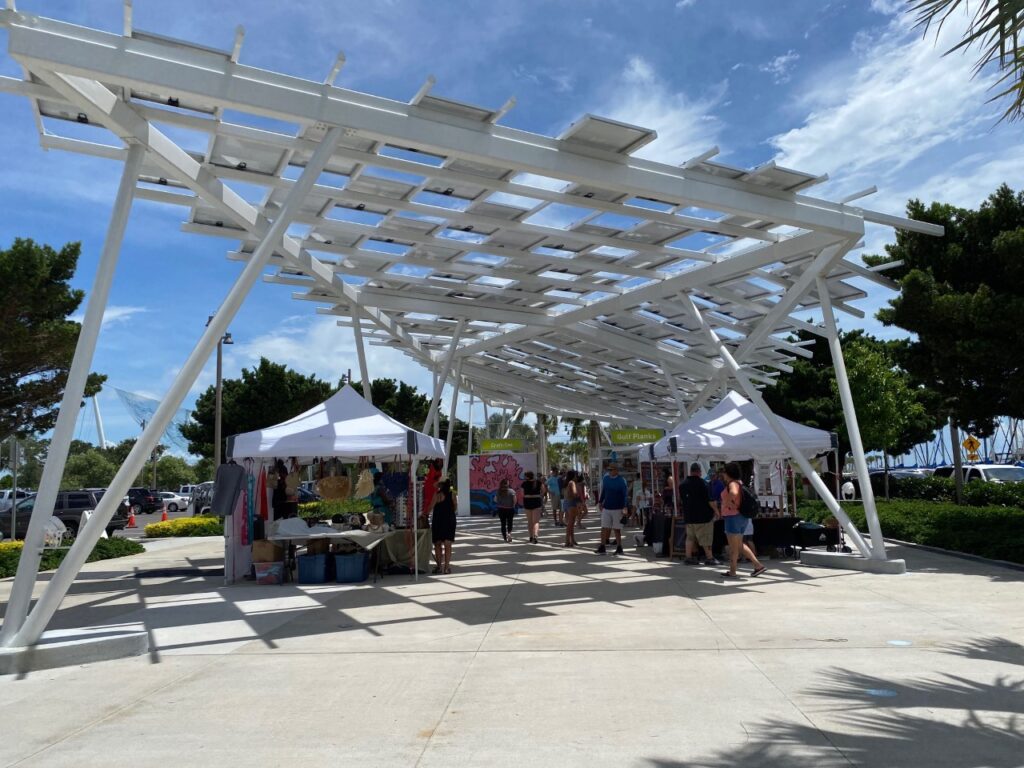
(447, 569)
(758, 571)
(436, 569)
(728, 575)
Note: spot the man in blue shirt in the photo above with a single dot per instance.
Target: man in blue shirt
(612, 503)
(555, 494)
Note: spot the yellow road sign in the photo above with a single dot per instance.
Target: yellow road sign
(971, 444)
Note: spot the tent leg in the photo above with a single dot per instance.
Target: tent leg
(364, 376)
(469, 437)
(415, 520)
(852, 427)
(67, 416)
(755, 396)
(451, 416)
(51, 598)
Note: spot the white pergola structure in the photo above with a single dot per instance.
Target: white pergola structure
(561, 275)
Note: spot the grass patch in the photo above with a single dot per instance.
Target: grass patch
(991, 531)
(327, 509)
(202, 525)
(105, 549)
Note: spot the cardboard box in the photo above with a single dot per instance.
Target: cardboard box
(267, 552)
(318, 547)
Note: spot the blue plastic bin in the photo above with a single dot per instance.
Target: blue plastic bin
(312, 569)
(352, 568)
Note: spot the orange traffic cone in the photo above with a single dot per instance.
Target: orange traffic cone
(163, 517)
(131, 520)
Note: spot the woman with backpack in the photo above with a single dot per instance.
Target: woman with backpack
(736, 523)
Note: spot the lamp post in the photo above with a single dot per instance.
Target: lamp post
(225, 339)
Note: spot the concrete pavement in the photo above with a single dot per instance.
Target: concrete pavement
(536, 655)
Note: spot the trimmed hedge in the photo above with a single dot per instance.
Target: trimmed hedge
(976, 494)
(994, 532)
(328, 508)
(105, 549)
(203, 525)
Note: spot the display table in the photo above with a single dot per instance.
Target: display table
(397, 549)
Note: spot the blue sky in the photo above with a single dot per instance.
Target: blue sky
(844, 88)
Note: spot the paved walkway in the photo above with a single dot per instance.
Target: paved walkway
(538, 656)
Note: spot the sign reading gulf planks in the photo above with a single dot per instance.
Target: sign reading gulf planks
(628, 436)
(501, 444)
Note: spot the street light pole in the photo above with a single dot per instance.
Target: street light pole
(217, 445)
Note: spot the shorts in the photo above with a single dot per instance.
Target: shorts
(735, 525)
(568, 506)
(702, 533)
(749, 530)
(611, 518)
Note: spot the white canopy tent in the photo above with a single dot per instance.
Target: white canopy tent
(737, 429)
(344, 426)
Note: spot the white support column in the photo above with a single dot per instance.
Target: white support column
(357, 331)
(755, 397)
(852, 427)
(542, 447)
(451, 416)
(487, 420)
(443, 375)
(78, 374)
(510, 422)
(675, 394)
(100, 434)
(50, 600)
(469, 437)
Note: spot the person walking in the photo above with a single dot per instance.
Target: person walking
(533, 504)
(555, 494)
(642, 501)
(442, 525)
(736, 523)
(612, 505)
(505, 503)
(570, 501)
(699, 515)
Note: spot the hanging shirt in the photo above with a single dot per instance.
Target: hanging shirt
(227, 486)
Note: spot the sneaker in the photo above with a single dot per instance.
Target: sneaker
(600, 550)
(691, 561)
(618, 550)
(711, 561)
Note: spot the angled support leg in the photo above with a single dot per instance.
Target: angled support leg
(451, 415)
(357, 330)
(64, 431)
(852, 427)
(50, 600)
(755, 396)
(443, 376)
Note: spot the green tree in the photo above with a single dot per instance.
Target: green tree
(204, 469)
(88, 469)
(173, 472)
(962, 296)
(38, 339)
(399, 400)
(996, 28)
(267, 394)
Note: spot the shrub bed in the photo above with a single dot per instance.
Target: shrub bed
(202, 525)
(990, 531)
(105, 549)
(328, 508)
(976, 494)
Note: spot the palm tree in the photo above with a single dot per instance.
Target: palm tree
(996, 28)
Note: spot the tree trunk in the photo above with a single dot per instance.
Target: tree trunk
(958, 463)
(885, 459)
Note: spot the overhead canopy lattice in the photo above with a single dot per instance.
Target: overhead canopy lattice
(569, 276)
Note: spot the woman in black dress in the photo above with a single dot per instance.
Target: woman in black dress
(442, 526)
(533, 503)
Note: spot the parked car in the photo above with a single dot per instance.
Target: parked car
(143, 500)
(988, 473)
(306, 495)
(878, 479)
(7, 497)
(186, 490)
(202, 495)
(68, 509)
(174, 501)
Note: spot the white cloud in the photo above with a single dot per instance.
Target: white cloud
(681, 4)
(888, 7)
(113, 314)
(903, 99)
(779, 67)
(686, 125)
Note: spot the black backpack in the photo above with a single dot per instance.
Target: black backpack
(749, 506)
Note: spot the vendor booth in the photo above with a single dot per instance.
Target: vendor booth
(345, 428)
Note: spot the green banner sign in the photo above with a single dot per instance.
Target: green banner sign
(499, 444)
(630, 436)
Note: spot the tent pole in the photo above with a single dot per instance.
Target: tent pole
(443, 376)
(755, 397)
(469, 437)
(357, 331)
(867, 493)
(414, 489)
(55, 591)
(451, 416)
(67, 416)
